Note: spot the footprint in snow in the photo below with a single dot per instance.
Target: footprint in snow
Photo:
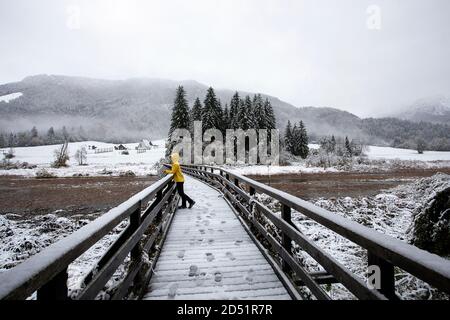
(181, 254)
(202, 231)
(193, 270)
(238, 242)
(218, 276)
(210, 257)
(211, 241)
(200, 279)
(173, 290)
(230, 256)
(250, 275)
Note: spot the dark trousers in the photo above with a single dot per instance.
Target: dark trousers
(184, 197)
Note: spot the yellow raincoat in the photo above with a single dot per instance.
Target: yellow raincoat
(176, 169)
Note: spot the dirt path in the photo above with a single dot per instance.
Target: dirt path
(342, 184)
(28, 196)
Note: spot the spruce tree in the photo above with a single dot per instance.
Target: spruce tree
(259, 113)
(196, 112)
(303, 149)
(295, 149)
(226, 118)
(51, 137)
(244, 120)
(11, 140)
(212, 114)
(180, 112)
(333, 144)
(2, 141)
(288, 142)
(348, 147)
(234, 109)
(270, 115)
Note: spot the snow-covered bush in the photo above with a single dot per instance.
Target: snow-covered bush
(44, 174)
(10, 154)
(61, 156)
(431, 226)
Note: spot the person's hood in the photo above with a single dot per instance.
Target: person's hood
(175, 157)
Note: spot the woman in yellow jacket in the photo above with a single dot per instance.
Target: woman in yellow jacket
(179, 180)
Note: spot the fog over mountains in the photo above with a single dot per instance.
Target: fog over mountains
(129, 110)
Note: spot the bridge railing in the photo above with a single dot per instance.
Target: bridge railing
(149, 213)
(382, 250)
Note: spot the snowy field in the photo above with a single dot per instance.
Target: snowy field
(97, 164)
(406, 154)
(8, 97)
(141, 164)
(381, 158)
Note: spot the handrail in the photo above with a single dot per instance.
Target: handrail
(383, 250)
(41, 269)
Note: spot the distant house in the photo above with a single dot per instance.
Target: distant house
(121, 147)
(145, 144)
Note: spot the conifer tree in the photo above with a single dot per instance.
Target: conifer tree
(244, 118)
(259, 113)
(2, 141)
(288, 142)
(234, 109)
(180, 112)
(212, 114)
(196, 112)
(11, 140)
(303, 149)
(51, 137)
(333, 144)
(348, 147)
(270, 115)
(226, 118)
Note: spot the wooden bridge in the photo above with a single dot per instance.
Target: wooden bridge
(229, 246)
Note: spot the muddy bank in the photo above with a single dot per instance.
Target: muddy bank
(71, 196)
(342, 184)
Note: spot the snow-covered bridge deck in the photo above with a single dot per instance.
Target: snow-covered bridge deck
(209, 255)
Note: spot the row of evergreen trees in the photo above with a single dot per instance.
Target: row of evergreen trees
(241, 113)
(35, 138)
(296, 139)
(246, 113)
(341, 147)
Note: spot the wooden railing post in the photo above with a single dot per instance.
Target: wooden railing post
(135, 221)
(159, 196)
(286, 241)
(386, 277)
(55, 289)
(252, 191)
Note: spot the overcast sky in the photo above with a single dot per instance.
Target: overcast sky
(367, 57)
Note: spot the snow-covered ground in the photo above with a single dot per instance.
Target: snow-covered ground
(374, 152)
(378, 158)
(97, 163)
(20, 239)
(391, 212)
(8, 97)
